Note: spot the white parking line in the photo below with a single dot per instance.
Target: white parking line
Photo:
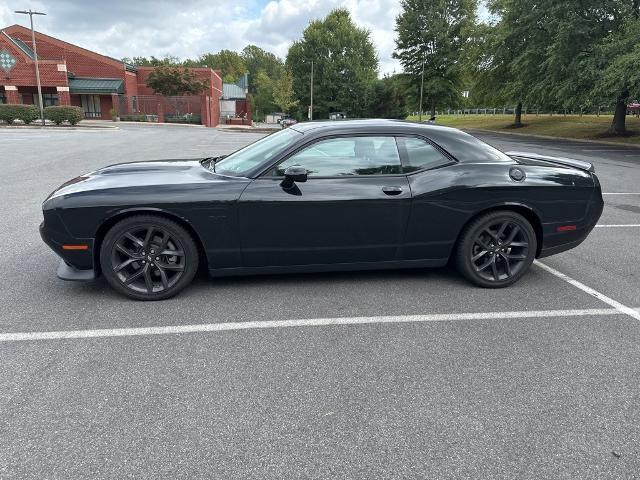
(631, 225)
(312, 322)
(594, 293)
(621, 193)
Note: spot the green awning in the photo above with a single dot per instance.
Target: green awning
(96, 85)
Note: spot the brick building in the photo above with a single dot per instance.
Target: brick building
(71, 75)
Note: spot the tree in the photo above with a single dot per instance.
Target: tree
(263, 96)
(152, 61)
(230, 63)
(432, 36)
(345, 66)
(390, 97)
(171, 81)
(258, 60)
(283, 95)
(542, 53)
(616, 67)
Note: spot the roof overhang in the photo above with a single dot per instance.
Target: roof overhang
(96, 85)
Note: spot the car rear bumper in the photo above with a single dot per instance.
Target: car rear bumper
(556, 241)
(77, 258)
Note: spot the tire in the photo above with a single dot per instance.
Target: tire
(496, 249)
(148, 257)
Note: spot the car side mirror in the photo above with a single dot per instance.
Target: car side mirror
(292, 175)
(296, 173)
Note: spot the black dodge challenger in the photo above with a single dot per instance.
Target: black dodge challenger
(350, 195)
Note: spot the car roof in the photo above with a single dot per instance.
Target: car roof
(460, 145)
(374, 124)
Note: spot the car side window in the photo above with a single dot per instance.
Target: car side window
(421, 155)
(345, 156)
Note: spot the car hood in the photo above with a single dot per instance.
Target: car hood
(142, 174)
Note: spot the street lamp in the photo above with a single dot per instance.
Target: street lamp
(31, 13)
(311, 106)
(421, 90)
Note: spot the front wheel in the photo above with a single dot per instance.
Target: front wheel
(496, 249)
(148, 257)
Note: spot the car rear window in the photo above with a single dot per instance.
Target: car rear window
(421, 155)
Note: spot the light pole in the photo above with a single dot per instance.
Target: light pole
(31, 13)
(311, 106)
(421, 90)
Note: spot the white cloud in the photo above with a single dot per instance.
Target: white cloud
(188, 28)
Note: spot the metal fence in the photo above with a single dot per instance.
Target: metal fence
(593, 110)
(155, 108)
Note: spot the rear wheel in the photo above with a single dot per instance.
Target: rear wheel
(147, 257)
(496, 249)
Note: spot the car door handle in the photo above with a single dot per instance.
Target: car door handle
(392, 190)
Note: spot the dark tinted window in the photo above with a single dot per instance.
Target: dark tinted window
(421, 155)
(347, 156)
(464, 147)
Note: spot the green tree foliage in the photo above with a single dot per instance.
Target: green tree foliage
(283, 94)
(615, 67)
(263, 96)
(152, 61)
(258, 60)
(230, 63)
(434, 34)
(390, 95)
(168, 80)
(549, 54)
(345, 67)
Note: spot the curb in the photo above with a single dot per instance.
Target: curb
(53, 127)
(155, 124)
(549, 137)
(248, 130)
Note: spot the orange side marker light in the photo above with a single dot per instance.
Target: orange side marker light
(75, 247)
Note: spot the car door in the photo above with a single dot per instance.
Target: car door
(353, 208)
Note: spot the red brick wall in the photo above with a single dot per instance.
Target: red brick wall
(214, 92)
(24, 73)
(130, 83)
(215, 82)
(80, 62)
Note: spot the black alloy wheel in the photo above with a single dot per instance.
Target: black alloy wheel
(148, 257)
(496, 249)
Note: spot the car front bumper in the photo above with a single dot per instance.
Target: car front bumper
(75, 264)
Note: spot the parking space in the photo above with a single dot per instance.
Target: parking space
(411, 374)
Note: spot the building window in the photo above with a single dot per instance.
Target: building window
(48, 99)
(3, 99)
(91, 106)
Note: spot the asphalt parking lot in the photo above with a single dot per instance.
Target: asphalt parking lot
(428, 377)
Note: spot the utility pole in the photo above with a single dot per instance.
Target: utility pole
(31, 13)
(421, 90)
(311, 107)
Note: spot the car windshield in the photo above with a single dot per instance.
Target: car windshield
(239, 163)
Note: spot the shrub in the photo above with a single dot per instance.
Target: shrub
(26, 113)
(133, 118)
(63, 113)
(182, 119)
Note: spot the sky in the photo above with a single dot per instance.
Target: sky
(188, 28)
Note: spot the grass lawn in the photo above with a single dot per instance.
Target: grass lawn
(572, 126)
